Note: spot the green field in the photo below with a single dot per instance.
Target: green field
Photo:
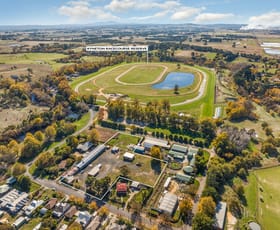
(204, 106)
(123, 140)
(32, 58)
(144, 93)
(264, 184)
(142, 74)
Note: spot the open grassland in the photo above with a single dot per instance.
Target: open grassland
(32, 58)
(242, 46)
(107, 82)
(204, 106)
(16, 116)
(263, 116)
(92, 58)
(38, 70)
(142, 74)
(263, 201)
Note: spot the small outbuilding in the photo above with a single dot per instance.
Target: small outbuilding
(139, 149)
(84, 146)
(188, 170)
(128, 156)
(115, 149)
(135, 185)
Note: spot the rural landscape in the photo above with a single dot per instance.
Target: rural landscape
(125, 123)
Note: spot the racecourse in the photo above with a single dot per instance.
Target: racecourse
(136, 81)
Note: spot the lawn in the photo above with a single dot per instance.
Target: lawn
(32, 223)
(34, 186)
(82, 122)
(123, 140)
(142, 74)
(263, 184)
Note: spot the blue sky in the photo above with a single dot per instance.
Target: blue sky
(255, 13)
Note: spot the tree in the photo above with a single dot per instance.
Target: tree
(202, 222)
(72, 141)
(124, 170)
(186, 207)
(49, 223)
(223, 146)
(92, 206)
(211, 191)
(269, 149)
(77, 201)
(50, 133)
(207, 206)
(93, 136)
(31, 146)
(75, 226)
(39, 135)
(155, 152)
(176, 89)
(208, 129)
(18, 169)
(24, 183)
(103, 211)
(44, 161)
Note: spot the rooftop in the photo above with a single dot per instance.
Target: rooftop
(179, 148)
(220, 215)
(168, 203)
(121, 187)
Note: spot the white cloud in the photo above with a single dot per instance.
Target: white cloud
(185, 13)
(264, 21)
(126, 5)
(211, 17)
(150, 17)
(81, 11)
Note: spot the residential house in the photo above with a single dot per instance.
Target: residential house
(121, 188)
(84, 218)
(71, 212)
(60, 209)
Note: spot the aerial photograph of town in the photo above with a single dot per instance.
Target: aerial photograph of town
(139, 115)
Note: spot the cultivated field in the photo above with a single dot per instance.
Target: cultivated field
(38, 70)
(32, 58)
(263, 201)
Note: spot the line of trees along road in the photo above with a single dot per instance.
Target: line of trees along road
(157, 115)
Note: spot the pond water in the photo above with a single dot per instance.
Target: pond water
(175, 78)
(272, 48)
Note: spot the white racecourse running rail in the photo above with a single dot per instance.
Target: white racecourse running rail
(118, 49)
